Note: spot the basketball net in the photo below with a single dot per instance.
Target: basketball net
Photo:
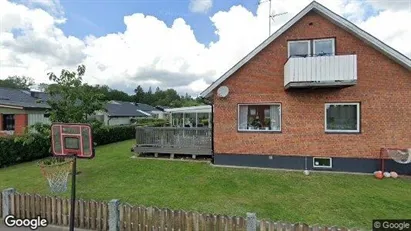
(56, 170)
(402, 156)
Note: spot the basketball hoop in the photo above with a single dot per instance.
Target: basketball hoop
(56, 170)
(71, 141)
(401, 156)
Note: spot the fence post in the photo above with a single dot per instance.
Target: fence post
(6, 201)
(251, 222)
(113, 215)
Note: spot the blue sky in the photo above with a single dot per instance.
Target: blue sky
(106, 16)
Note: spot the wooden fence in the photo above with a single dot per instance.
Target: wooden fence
(114, 216)
(91, 215)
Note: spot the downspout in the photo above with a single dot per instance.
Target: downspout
(208, 102)
(108, 121)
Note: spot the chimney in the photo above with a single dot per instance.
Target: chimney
(35, 94)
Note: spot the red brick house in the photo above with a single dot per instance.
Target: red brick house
(319, 93)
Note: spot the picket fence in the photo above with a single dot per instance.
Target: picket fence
(116, 216)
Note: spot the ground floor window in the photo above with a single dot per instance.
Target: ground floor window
(342, 117)
(265, 117)
(8, 122)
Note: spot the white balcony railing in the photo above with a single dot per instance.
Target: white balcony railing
(321, 71)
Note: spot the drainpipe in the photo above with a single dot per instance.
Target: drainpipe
(208, 102)
(108, 121)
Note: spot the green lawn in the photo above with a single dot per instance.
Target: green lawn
(327, 199)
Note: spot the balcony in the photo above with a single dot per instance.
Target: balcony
(320, 71)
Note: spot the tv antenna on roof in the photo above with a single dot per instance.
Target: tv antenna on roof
(271, 15)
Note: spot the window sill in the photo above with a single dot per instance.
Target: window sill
(322, 167)
(342, 132)
(258, 131)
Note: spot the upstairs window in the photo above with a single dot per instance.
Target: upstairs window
(259, 117)
(323, 47)
(314, 47)
(8, 122)
(299, 48)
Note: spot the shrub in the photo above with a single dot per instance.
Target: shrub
(107, 135)
(33, 146)
(16, 150)
(151, 122)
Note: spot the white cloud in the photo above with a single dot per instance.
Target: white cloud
(200, 6)
(150, 53)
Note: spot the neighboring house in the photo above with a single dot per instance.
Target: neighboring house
(20, 109)
(120, 113)
(319, 93)
(156, 112)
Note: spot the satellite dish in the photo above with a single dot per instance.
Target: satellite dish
(222, 91)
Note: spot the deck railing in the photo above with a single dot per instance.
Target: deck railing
(174, 140)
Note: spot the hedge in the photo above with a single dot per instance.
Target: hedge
(14, 151)
(33, 146)
(108, 135)
(151, 122)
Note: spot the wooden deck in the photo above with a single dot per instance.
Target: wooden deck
(172, 140)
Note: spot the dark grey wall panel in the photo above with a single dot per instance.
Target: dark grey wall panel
(298, 162)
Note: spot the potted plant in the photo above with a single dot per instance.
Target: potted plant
(250, 123)
(267, 122)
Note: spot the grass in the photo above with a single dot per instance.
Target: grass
(326, 199)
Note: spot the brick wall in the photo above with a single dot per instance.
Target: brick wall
(21, 121)
(383, 89)
(20, 124)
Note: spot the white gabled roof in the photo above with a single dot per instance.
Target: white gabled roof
(333, 17)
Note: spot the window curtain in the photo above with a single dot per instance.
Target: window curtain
(275, 117)
(243, 117)
(342, 117)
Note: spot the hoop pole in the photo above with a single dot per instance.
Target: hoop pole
(73, 192)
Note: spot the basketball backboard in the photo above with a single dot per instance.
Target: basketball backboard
(72, 139)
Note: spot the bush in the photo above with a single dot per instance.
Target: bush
(151, 122)
(33, 146)
(16, 150)
(112, 134)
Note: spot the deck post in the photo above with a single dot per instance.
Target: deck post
(196, 118)
(209, 119)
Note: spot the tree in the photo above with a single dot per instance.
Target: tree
(139, 97)
(17, 82)
(71, 101)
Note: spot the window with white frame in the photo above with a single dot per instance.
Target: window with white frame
(342, 117)
(299, 48)
(8, 122)
(322, 162)
(322, 47)
(265, 117)
(315, 47)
